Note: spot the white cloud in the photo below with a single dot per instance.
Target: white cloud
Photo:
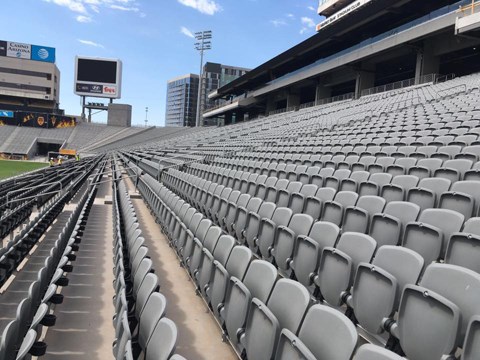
(124, 8)
(83, 19)
(290, 16)
(73, 5)
(308, 22)
(208, 7)
(278, 22)
(91, 43)
(85, 8)
(187, 32)
(311, 8)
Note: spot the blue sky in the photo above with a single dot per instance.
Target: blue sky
(153, 38)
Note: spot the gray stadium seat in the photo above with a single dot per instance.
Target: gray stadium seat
(471, 347)
(473, 173)
(425, 168)
(428, 192)
(453, 170)
(430, 234)
(427, 324)
(268, 229)
(220, 253)
(236, 266)
(399, 187)
(154, 310)
(338, 265)
(463, 249)
(333, 210)
(374, 184)
(283, 195)
(357, 218)
(308, 249)
(209, 242)
(258, 283)
(325, 334)
(297, 199)
(241, 216)
(387, 228)
(351, 183)
(285, 309)
(162, 341)
(378, 286)
(252, 226)
(336, 178)
(463, 197)
(285, 237)
(314, 204)
(401, 166)
(459, 285)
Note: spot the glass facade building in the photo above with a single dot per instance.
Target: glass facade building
(181, 104)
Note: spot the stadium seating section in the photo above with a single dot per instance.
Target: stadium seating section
(344, 231)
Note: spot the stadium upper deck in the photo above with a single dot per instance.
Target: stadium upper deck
(377, 43)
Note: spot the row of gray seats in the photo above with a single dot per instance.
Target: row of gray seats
(260, 224)
(139, 306)
(453, 169)
(462, 196)
(20, 338)
(284, 307)
(352, 156)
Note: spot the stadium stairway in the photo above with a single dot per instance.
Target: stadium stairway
(84, 321)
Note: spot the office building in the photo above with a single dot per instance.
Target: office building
(181, 105)
(29, 78)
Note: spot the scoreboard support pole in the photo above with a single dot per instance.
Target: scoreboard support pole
(83, 108)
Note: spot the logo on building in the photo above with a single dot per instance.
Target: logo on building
(43, 54)
(109, 90)
(19, 50)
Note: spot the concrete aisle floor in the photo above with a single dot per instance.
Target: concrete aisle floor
(199, 336)
(84, 328)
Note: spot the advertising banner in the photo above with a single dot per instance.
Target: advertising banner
(27, 51)
(37, 120)
(7, 113)
(32, 119)
(110, 90)
(43, 53)
(19, 50)
(58, 122)
(338, 15)
(89, 88)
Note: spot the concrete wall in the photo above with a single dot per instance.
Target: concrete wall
(119, 115)
(41, 68)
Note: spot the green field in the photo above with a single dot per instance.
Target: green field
(9, 168)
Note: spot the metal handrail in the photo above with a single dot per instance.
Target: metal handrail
(471, 7)
(34, 196)
(33, 187)
(463, 86)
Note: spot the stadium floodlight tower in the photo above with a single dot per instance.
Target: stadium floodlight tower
(203, 43)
